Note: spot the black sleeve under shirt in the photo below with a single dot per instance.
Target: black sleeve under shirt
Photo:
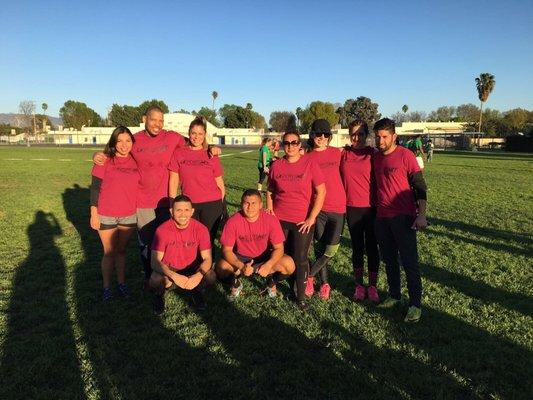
(95, 190)
(418, 184)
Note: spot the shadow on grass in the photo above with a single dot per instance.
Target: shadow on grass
(491, 366)
(131, 352)
(39, 353)
(496, 234)
(134, 354)
(515, 243)
(479, 290)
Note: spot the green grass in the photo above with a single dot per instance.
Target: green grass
(475, 339)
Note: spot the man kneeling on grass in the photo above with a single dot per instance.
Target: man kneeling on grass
(252, 243)
(181, 256)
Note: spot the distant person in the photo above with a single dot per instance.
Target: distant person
(415, 145)
(264, 161)
(152, 150)
(330, 219)
(401, 211)
(113, 205)
(291, 182)
(429, 150)
(252, 243)
(275, 149)
(358, 178)
(181, 256)
(199, 177)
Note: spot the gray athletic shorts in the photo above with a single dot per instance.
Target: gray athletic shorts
(112, 222)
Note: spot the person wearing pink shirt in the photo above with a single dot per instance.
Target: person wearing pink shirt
(199, 177)
(401, 211)
(252, 243)
(291, 182)
(113, 204)
(152, 150)
(330, 220)
(181, 256)
(358, 179)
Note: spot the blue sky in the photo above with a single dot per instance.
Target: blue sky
(277, 55)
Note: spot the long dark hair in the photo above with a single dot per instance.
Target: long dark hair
(111, 146)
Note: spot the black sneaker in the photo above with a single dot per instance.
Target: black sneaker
(197, 300)
(107, 296)
(124, 291)
(159, 304)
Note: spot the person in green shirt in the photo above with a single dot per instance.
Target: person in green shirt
(264, 161)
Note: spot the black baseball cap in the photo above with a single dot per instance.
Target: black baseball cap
(320, 126)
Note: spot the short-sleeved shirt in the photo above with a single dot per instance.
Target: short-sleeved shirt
(357, 176)
(292, 185)
(264, 150)
(394, 193)
(197, 174)
(152, 154)
(251, 239)
(329, 162)
(119, 188)
(181, 247)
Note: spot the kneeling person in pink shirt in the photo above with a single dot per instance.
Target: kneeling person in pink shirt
(252, 243)
(181, 256)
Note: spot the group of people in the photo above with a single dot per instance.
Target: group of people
(172, 189)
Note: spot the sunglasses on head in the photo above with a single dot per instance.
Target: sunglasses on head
(325, 134)
(291, 143)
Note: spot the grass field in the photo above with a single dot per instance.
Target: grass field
(475, 340)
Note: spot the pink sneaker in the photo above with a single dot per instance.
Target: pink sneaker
(324, 291)
(310, 286)
(373, 295)
(360, 293)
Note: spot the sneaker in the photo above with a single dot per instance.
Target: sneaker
(197, 300)
(413, 314)
(235, 291)
(310, 286)
(324, 291)
(360, 293)
(159, 304)
(390, 303)
(124, 291)
(272, 291)
(107, 295)
(373, 295)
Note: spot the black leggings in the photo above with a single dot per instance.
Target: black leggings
(328, 231)
(362, 233)
(209, 214)
(297, 246)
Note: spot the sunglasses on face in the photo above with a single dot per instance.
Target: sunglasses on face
(325, 134)
(291, 143)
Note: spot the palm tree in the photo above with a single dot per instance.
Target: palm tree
(214, 95)
(44, 106)
(485, 85)
(405, 107)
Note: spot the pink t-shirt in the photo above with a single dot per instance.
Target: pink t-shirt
(153, 156)
(181, 247)
(292, 185)
(197, 174)
(356, 171)
(118, 191)
(251, 239)
(392, 172)
(329, 162)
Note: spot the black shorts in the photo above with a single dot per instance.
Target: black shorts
(258, 261)
(188, 271)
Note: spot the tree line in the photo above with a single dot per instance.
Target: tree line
(493, 122)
